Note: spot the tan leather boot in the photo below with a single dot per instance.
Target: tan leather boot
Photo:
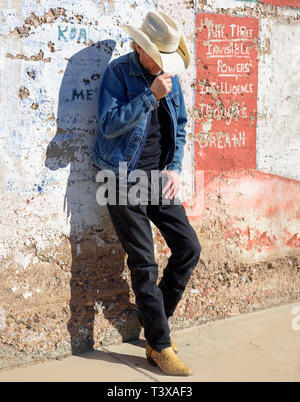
(175, 348)
(167, 361)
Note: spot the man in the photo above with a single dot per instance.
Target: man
(142, 119)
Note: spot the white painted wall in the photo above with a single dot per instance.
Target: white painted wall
(44, 196)
(278, 132)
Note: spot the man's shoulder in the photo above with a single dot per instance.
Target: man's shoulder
(121, 60)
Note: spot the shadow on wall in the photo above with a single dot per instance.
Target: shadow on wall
(96, 282)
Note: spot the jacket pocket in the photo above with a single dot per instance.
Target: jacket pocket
(114, 149)
(175, 100)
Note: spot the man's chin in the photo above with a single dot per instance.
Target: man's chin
(155, 72)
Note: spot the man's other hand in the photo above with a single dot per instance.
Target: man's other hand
(171, 189)
(162, 85)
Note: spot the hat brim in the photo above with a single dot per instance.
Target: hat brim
(144, 42)
(173, 63)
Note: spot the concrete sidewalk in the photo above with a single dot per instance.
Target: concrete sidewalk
(261, 346)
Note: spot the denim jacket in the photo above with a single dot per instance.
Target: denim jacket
(125, 103)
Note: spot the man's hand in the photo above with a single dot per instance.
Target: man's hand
(171, 189)
(162, 85)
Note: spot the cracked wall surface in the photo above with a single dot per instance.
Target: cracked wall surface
(65, 286)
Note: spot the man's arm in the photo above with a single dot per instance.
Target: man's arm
(115, 114)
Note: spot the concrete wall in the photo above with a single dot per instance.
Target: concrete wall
(65, 285)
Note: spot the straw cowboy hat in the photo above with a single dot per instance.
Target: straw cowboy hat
(161, 39)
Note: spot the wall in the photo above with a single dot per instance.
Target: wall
(65, 286)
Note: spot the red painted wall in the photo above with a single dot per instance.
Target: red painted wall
(226, 92)
(245, 209)
(282, 3)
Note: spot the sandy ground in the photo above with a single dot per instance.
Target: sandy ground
(261, 346)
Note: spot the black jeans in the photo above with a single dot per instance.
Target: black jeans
(156, 303)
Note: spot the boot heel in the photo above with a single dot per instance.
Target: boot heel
(151, 361)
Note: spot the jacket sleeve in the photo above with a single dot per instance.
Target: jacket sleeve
(182, 120)
(116, 115)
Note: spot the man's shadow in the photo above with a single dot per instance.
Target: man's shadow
(99, 289)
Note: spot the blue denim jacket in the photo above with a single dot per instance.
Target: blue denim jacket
(125, 103)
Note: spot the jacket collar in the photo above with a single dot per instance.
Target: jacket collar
(135, 65)
(137, 69)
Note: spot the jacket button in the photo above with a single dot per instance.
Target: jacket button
(137, 138)
(128, 158)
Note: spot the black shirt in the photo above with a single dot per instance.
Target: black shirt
(153, 151)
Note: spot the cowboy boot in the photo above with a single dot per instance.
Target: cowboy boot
(167, 361)
(175, 348)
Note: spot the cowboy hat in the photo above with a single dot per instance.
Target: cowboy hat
(161, 39)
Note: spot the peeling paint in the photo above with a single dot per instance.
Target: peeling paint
(35, 57)
(23, 92)
(65, 283)
(33, 21)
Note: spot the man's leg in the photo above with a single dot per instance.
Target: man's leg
(133, 228)
(181, 238)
